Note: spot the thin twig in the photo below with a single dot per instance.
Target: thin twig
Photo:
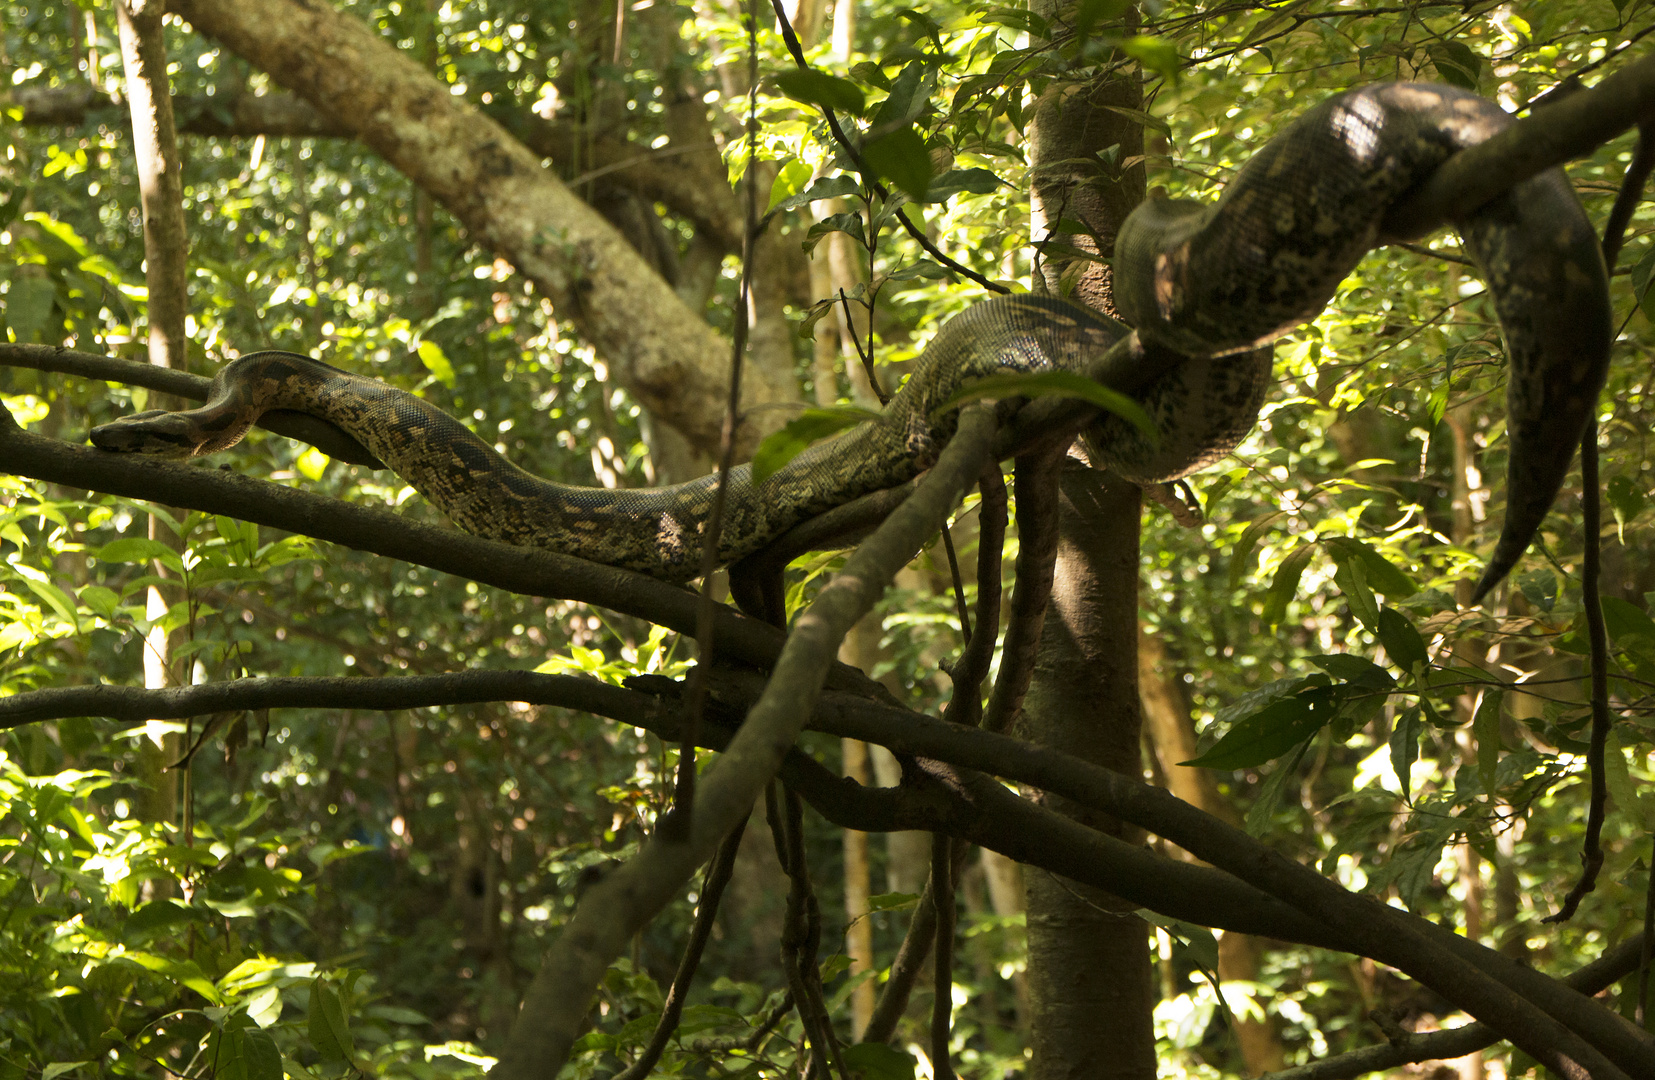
(960, 608)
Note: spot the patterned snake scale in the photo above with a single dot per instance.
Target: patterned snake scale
(1207, 287)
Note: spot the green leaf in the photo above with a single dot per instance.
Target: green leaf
(819, 88)
(1285, 585)
(1269, 733)
(1405, 749)
(436, 362)
(62, 1068)
(825, 187)
(1157, 54)
(1352, 579)
(1240, 558)
(329, 1033)
(1354, 670)
(56, 599)
(1626, 499)
(1641, 274)
(900, 157)
(810, 426)
(1539, 587)
(905, 102)
(1623, 619)
(878, 1061)
(137, 549)
(849, 222)
(1456, 62)
(1403, 643)
(954, 181)
(1381, 573)
(892, 901)
(29, 306)
(1268, 796)
(1485, 730)
(1032, 384)
(790, 180)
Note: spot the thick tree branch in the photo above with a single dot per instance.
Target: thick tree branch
(688, 180)
(527, 571)
(1457, 1042)
(1571, 128)
(664, 353)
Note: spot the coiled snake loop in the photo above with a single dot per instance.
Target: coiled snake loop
(1209, 285)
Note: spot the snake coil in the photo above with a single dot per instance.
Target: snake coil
(1205, 287)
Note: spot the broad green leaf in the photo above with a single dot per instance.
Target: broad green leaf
(1241, 557)
(1626, 499)
(1088, 13)
(28, 306)
(1485, 729)
(63, 1068)
(893, 901)
(1032, 384)
(1352, 579)
(878, 1061)
(1382, 575)
(819, 88)
(790, 180)
(1269, 793)
(436, 362)
(137, 549)
(1403, 643)
(905, 102)
(1157, 54)
(1405, 749)
(56, 599)
(1268, 733)
(329, 1033)
(900, 157)
(1285, 585)
(1354, 670)
(954, 181)
(825, 187)
(1623, 619)
(1456, 62)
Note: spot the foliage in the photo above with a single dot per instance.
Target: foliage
(373, 890)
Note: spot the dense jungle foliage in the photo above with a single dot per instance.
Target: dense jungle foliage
(345, 891)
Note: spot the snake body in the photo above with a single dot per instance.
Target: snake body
(1205, 287)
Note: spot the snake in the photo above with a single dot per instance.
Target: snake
(1203, 289)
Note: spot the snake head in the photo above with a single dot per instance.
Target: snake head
(157, 433)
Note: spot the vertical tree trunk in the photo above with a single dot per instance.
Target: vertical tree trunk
(166, 253)
(1090, 976)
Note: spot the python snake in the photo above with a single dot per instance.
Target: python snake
(1205, 287)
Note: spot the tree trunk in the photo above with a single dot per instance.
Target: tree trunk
(1090, 976)
(166, 254)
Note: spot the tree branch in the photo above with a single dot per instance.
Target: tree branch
(1571, 128)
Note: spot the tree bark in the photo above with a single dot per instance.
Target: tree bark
(166, 255)
(662, 352)
(1090, 973)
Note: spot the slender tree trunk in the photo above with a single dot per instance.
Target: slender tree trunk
(166, 254)
(1090, 976)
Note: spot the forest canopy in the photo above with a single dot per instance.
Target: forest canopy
(1011, 769)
